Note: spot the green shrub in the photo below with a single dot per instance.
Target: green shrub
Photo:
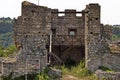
(81, 64)
(46, 70)
(42, 76)
(78, 70)
(5, 52)
(64, 69)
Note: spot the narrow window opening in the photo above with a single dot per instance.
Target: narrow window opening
(72, 32)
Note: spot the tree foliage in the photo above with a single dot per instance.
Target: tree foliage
(6, 39)
(6, 25)
(116, 32)
(5, 52)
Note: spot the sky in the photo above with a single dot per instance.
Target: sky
(110, 12)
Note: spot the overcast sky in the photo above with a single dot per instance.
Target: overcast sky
(110, 9)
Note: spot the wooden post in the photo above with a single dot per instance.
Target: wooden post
(50, 47)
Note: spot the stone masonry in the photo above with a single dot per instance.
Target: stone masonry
(73, 37)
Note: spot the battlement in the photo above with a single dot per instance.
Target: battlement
(66, 13)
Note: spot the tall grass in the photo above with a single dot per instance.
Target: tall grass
(78, 71)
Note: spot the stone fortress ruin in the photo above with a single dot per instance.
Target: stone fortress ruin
(43, 37)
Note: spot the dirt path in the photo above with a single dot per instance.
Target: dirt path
(70, 77)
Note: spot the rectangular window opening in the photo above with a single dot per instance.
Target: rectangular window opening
(72, 32)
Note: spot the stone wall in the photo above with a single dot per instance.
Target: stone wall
(72, 37)
(68, 35)
(112, 61)
(31, 32)
(102, 75)
(92, 37)
(63, 27)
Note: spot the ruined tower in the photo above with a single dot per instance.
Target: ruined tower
(92, 36)
(42, 36)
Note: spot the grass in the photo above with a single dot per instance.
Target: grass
(78, 71)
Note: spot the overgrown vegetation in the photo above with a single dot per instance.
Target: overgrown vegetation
(116, 33)
(5, 52)
(6, 39)
(6, 29)
(78, 71)
(6, 25)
